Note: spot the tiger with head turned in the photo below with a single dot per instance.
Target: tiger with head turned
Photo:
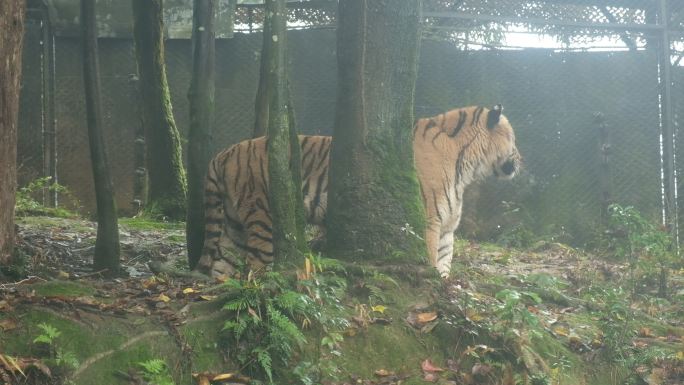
(451, 150)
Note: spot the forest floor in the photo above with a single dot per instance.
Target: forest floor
(546, 314)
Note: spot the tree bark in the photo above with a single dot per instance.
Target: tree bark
(288, 237)
(106, 255)
(374, 205)
(167, 189)
(201, 97)
(11, 39)
(263, 96)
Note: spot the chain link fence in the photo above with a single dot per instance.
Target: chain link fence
(581, 83)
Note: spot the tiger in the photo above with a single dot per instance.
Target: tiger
(451, 151)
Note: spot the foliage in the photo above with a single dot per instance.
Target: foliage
(269, 313)
(156, 372)
(512, 310)
(26, 204)
(646, 246)
(60, 357)
(50, 333)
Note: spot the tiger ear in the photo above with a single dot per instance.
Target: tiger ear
(493, 116)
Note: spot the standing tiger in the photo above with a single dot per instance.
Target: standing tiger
(451, 150)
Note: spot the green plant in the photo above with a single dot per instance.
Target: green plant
(646, 246)
(61, 358)
(270, 312)
(512, 310)
(50, 333)
(615, 322)
(26, 204)
(156, 372)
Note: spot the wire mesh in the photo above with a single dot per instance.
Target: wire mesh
(586, 109)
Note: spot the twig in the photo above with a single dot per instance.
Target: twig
(93, 273)
(107, 353)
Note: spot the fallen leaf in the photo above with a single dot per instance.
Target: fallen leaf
(427, 317)
(8, 324)
(382, 373)
(208, 297)
(62, 275)
(474, 316)
(223, 377)
(11, 364)
(379, 308)
(5, 306)
(189, 290)
(481, 369)
(163, 298)
(427, 366)
(646, 332)
(561, 331)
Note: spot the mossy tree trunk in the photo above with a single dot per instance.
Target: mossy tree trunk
(11, 39)
(283, 152)
(201, 98)
(107, 242)
(166, 190)
(374, 200)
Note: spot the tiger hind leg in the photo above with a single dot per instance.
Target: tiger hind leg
(445, 253)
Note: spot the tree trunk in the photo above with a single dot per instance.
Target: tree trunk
(11, 39)
(374, 205)
(263, 96)
(167, 191)
(201, 97)
(288, 237)
(107, 242)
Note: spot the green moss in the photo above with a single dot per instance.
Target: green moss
(204, 336)
(42, 222)
(62, 288)
(150, 224)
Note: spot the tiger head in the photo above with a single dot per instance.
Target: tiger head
(504, 159)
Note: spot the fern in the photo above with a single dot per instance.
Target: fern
(282, 328)
(292, 302)
(266, 312)
(154, 366)
(49, 334)
(156, 372)
(67, 359)
(264, 359)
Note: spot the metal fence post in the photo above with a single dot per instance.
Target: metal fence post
(667, 119)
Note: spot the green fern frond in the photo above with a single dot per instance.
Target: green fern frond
(154, 366)
(264, 359)
(236, 304)
(282, 328)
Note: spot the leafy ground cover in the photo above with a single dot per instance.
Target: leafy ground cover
(545, 314)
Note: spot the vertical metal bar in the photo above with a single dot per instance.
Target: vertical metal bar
(52, 115)
(48, 83)
(667, 122)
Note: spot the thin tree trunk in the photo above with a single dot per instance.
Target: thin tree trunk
(167, 190)
(288, 238)
(374, 200)
(11, 39)
(201, 97)
(263, 96)
(107, 242)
